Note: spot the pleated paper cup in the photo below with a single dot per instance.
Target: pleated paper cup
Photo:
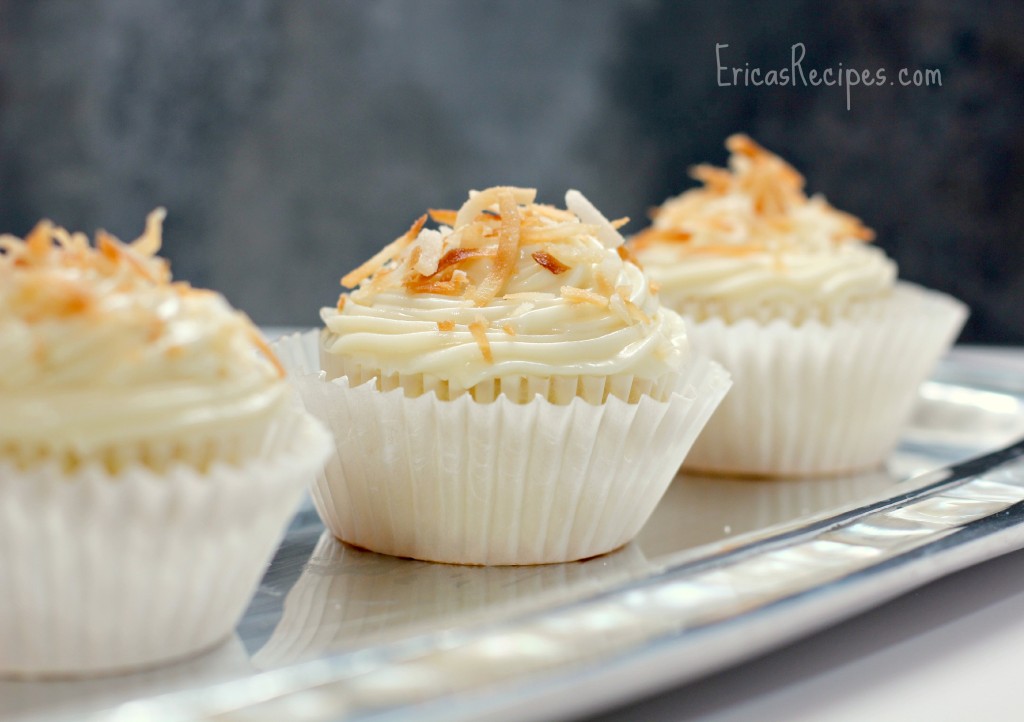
(495, 483)
(349, 598)
(104, 573)
(815, 399)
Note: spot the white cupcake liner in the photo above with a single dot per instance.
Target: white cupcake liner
(820, 399)
(104, 573)
(348, 598)
(517, 388)
(495, 483)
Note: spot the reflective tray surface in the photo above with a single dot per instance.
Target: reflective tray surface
(725, 569)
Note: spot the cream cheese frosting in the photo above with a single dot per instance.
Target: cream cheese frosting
(504, 287)
(750, 243)
(98, 347)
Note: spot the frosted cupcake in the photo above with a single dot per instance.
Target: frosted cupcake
(505, 389)
(150, 456)
(826, 346)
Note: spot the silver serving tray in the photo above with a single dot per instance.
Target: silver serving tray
(724, 570)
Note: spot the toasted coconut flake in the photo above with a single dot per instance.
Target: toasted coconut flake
(509, 329)
(454, 284)
(717, 180)
(743, 145)
(39, 241)
(586, 212)
(479, 330)
(354, 278)
(148, 244)
(572, 294)
(550, 212)
(440, 288)
(430, 244)
(456, 256)
(774, 187)
(545, 259)
(414, 257)
(496, 224)
(653, 286)
(508, 249)
(480, 200)
(78, 242)
(853, 228)
(443, 216)
(627, 255)
(635, 312)
(108, 246)
(342, 299)
(659, 235)
(51, 297)
(137, 265)
(260, 343)
(605, 287)
(619, 222)
(381, 279)
(445, 326)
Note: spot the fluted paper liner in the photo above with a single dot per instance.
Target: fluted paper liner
(821, 399)
(466, 482)
(105, 573)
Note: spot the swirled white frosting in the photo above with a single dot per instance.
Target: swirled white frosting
(751, 244)
(587, 312)
(98, 348)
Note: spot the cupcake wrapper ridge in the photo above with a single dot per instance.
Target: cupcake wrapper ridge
(820, 399)
(106, 573)
(495, 483)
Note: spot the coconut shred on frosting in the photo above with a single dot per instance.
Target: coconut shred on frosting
(99, 347)
(750, 243)
(504, 288)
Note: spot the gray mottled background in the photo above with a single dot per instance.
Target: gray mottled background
(289, 140)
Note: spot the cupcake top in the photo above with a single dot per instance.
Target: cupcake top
(98, 346)
(751, 243)
(506, 286)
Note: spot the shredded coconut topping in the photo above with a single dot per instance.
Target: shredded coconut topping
(753, 206)
(100, 350)
(749, 243)
(504, 287)
(480, 247)
(53, 275)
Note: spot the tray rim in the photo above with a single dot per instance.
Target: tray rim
(979, 540)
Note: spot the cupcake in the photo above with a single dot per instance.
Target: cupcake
(504, 389)
(826, 346)
(150, 456)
